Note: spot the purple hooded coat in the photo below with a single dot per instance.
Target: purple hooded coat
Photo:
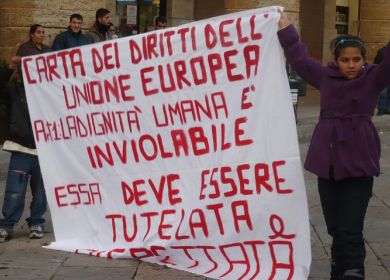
(345, 136)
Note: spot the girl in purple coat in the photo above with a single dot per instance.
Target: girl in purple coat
(345, 148)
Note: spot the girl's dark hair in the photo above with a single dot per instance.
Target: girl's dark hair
(34, 28)
(346, 41)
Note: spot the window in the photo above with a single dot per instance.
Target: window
(137, 16)
(342, 20)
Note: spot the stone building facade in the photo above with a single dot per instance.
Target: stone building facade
(17, 15)
(374, 24)
(315, 19)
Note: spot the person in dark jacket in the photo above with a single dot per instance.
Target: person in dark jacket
(344, 150)
(98, 31)
(24, 164)
(384, 98)
(5, 74)
(160, 22)
(72, 37)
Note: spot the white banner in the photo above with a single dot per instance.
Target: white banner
(177, 147)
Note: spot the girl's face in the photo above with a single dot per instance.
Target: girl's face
(350, 62)
(38, 35)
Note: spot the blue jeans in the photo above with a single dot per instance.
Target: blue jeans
(23, 167)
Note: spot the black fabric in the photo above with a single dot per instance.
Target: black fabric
(379, 56)
(344, 204)
(5, 74)
(102, 28)
(19, 129)
(97, 33)
(336, 271)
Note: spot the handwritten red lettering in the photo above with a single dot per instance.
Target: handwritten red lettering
(105, 57)
(54, 66)
(244, 179)
(77, 194)
(200, 70)
(132, 193)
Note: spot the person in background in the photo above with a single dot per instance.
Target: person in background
(345, 148)
(35, 45)
(98, 31)
(160, 22)
(5, 74)
(24, 165)
(72, 37)
(125, 29)
(111, 33)
(384, 98)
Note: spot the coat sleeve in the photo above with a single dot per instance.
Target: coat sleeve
(59, 43)
(92, 37)
(5, 74)
(297, 55)
(379, 56)
(382, 77)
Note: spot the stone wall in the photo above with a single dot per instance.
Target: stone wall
(18, 15)
(374, 25)
(290, 6)
(206, 8)
(184, 11)
(317, 20)
(180, 11)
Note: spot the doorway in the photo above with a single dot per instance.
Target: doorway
(137, 16)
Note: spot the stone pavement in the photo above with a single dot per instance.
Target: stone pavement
(22, 258)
